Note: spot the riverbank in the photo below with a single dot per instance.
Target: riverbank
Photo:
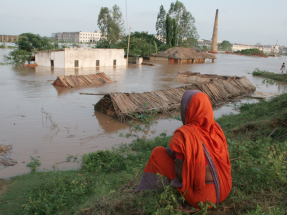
(270, 75)
(107, 181)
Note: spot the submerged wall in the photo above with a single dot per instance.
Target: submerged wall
(81, 58)
(44, 58)
(89, 57)
(165, 59)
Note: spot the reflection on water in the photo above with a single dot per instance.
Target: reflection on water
(109, 124)
(27, 92)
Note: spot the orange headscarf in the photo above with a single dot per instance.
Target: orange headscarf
(200, 127)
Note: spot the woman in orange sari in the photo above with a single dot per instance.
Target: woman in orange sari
(197, 161)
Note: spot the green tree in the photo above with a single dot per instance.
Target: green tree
(111, 24)
(118, 21)
(174, 33)
(160, 23)
(24, 44)
(19, 56)
(33, 42)
(104, 19)
(189, 43)
(56, 45)
(141, 44)
(169, 32)
(103, 43)
(205, 48)
(27, 45)
(163, 47)
(155, 47)
(225, 45)
(185, 22)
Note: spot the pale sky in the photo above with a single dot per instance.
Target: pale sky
(244, 21)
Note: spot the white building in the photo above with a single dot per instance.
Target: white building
(273, 49)
(80, 58)
(90, 36)
(85, 37)
(202, 43)
(283, 50)
(239, 47)
(265, 48)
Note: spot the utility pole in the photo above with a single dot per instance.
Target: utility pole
(128, 46)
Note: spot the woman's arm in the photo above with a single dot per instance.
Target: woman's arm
(178, 169)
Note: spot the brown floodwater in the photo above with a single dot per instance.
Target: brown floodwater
(27, 100)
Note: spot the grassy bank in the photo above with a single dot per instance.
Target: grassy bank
(107, 181)
(270, 75)
(3, 46)
(251, 52)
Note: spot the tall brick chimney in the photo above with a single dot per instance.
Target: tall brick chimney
(214, 35)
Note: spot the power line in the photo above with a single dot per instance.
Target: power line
(127, 15)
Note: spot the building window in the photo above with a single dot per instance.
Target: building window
(76, 63)
(52, 63)
(115, 62)
(97, 62)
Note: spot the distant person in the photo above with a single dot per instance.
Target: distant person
(197, 162)
(283, 67)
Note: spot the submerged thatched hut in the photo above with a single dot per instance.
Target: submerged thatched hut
(82, 80)
(182, 55)
(220, 89)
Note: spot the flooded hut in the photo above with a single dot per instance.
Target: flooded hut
(182, 55)
(196, 77)
(220, 89)
(82, 80)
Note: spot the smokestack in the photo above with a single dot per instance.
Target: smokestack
(215, 32)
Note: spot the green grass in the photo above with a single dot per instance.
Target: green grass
(66, 192)
(270, 75)
(108, 179)
(25, 189)
(257, 120)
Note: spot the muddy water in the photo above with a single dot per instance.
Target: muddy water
(30, 106)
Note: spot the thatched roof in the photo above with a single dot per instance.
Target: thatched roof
(82, 80)
(184, 54)
(220, 89)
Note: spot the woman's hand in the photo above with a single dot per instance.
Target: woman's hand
(178, 169)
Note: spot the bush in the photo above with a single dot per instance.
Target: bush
(124, 158)
(34, 164)
(252, 52)
(260, 165)
(19, 56)
(2, 46)
(59, 194)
